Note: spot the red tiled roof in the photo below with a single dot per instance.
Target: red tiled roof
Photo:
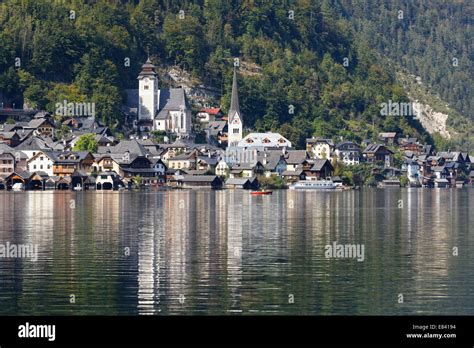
(211, 111)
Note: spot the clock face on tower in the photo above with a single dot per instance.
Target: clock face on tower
(146, 80)
(236, 121)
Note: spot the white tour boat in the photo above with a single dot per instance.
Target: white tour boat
(313, 184)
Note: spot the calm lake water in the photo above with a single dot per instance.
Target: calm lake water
(225, 252)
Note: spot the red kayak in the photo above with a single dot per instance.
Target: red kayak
(261, 192)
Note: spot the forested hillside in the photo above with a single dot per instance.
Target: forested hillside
(431, 38)
(320, 72)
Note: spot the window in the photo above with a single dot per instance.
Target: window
(145, 87)
(236, 130)
(34, 167)
(41, 166)
(41, 158)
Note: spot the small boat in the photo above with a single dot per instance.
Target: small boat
(263, 192)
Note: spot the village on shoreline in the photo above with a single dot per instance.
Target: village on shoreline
(40, 151)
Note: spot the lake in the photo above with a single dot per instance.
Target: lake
(201, 252)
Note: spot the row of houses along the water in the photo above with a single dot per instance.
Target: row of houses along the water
(31, 159)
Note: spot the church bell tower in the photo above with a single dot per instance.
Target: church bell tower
(234, 126)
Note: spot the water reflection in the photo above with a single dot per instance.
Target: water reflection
(225, 252)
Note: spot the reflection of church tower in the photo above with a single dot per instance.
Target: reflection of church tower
(148, 95)
(235, 119)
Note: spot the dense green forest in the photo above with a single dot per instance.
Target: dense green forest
(318, 69)
(430, 38)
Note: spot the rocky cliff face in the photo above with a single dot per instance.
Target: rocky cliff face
(432, 121)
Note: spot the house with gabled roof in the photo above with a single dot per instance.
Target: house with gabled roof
(378, 154)
(9, 138)
(43, 126)
(41, 161)
(321, 169)
(348, 152)
(388, 137)
(67, 162)
(320, 148)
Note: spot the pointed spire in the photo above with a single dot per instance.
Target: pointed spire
(234, 101)
(148, 61)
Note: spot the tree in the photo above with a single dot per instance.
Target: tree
(86, 142)
(137, 179)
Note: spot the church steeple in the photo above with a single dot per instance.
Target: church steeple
(234, 100)
(234, 123)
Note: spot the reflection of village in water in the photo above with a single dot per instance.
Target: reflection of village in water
(224, 252)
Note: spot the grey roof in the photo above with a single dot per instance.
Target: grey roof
(199, 178)
(292, 172)
(55, 156)
(36, 122)
(42, 114)
(438, 168)
(7, 135)
(320, 140)
(343, 144)
(172, 99)
(32, 143)
(319, 163)
(237, 181)
(131, 146)
(10, 127)
(194, 172)
(372, 148)
(183, 156)
(5, 148)
(24, 133)
(296, 156)
(212, 161)
(215, 127)
(272, 158)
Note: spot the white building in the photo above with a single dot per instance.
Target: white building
(320, 148)
(161, 109)
(348, 152)
(222, 168)
(40, 162)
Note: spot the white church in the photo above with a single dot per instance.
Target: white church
(257, 141)
(160, 109)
